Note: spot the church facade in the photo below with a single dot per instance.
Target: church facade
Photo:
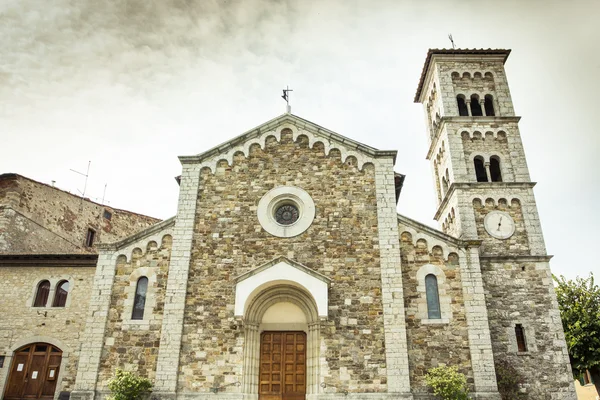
(287, 272)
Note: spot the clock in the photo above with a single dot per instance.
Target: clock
(499, 224)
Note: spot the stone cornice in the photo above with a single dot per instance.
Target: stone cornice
(48, 260)
(525, 258)
(478, 185)
(464, 121)
(347, 146)
(138, 236)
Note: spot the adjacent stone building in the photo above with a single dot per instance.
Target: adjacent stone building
(287, 272)
(48, 256)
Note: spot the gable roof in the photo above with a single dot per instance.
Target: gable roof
(299, 122)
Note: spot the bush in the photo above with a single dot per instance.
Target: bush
(128, 386)
(447, 383)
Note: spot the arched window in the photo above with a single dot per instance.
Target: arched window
(41, 296)
(60, 297)
(433, 298)
(489, 105)
(140, 298)
(495, 172)
(463, 111)
(480, 171)
(475, 106)
(444, 186)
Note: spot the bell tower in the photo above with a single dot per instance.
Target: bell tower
(480, 172)
(485, 195)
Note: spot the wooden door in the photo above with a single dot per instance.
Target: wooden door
(282, 366)
(34, 372)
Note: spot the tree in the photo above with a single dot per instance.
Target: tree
(447, 383)
(579, 304)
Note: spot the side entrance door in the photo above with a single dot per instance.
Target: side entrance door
(34, 372)
(282, 366)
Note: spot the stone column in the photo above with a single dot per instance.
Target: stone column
(396, 349)
(95, 324)
(487, 172)
(251, 361)
(480, 341)
(482, 105)
(469, 107)
(167, 367)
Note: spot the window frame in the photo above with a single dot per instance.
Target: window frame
(135, 311)
(432, 295)
(57, 293)
(37, 293)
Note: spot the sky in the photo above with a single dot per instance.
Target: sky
(131, 84)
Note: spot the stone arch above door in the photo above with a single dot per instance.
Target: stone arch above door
(255, 310)
(281, 272)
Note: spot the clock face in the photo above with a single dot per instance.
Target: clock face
(499, 224)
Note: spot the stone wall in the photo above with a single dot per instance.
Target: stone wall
(341, 243)
(521, 292)
(133, 344)
(45, 210)
(21, 324)
(433, 342)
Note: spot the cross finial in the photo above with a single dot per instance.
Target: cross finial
(286, 97)
(451, 40)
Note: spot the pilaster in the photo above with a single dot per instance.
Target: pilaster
(172, 326)
(396, 349)
(93, 336)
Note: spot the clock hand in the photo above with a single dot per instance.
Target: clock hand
(499, 224)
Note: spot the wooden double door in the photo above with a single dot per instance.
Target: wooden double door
(34, 372)
(282, 365)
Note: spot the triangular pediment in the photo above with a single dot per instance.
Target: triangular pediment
(299, 126)
(282, 260)
(281, 271)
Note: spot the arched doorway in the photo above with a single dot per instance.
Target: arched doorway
(281, 344)
(34, 372)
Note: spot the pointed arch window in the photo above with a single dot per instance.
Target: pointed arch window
(139, 301)
(463, 111)
(495, 172)
(475, 106)
(433, 298)
(480, 172)
(42, 293)
(60, 297)
(489, 105)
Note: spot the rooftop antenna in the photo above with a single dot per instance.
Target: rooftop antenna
(286, 97)
(451, 41)
(87, 174)
(104, 194)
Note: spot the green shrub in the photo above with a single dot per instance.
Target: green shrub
(447, 383)
(128, 386)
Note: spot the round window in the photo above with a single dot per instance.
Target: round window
(286, 211)
(287, 214)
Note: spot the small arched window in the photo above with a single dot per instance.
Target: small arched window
(495, 171)
(41, 295)
(463, 111)
(475, 106)
(433, 297)
(140, 298)
(489, 105)
(480, 171)
(60, 297)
